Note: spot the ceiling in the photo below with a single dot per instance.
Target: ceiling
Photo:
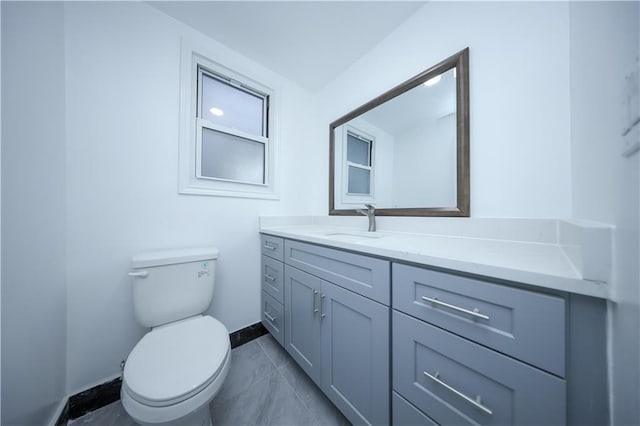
(308, 42)
(419, 105)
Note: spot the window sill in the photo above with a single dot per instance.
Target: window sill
(234, 192)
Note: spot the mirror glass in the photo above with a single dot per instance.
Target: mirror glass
(406, 152)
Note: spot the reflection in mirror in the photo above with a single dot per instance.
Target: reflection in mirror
(413, 140)
(406, 151)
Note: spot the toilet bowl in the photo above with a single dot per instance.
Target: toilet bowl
(175, 371)
(178, 367)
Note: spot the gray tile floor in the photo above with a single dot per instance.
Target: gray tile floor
(265, 386)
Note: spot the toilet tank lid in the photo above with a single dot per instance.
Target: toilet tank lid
(170, 257)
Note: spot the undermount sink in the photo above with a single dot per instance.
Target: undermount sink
(353, 236)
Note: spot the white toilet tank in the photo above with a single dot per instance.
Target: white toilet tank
(170, 285)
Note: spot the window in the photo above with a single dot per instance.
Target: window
(232, 130)
(227, 132)
(359, 163)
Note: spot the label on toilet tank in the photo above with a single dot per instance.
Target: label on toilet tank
(204, 270)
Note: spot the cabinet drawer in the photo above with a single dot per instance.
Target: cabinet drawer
(273, 278)
(272, 246)
(469, 383)
(405, 414)
(526, 325)
(361, 274)
(273, 317)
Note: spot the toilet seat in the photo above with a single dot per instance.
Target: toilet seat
(174, 362)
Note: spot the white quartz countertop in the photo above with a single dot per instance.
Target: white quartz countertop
(541, 264)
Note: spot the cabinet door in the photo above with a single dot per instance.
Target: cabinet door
(355, 355)
(302, 320)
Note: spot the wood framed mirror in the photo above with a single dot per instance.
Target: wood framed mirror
(406, 151)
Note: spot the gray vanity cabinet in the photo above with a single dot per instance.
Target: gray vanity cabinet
(272, 279)
(338, 337)
(468, 351)
(442, 348)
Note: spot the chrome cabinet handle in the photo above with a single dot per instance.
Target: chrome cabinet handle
(315, 310)
(475, 402)
(269, 247)
(322, 314)
(141, 274)
(269, 277)
(269, 317)
(456, 308)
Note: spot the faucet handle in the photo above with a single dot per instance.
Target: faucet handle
(371, 207)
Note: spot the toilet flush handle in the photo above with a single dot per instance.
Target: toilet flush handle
(141, 274)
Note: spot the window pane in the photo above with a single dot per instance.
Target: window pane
(359, 180)
(232, 107)
(231, 157)
(357, 150)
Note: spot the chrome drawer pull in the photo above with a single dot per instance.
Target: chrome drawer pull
(456, 308)
(315, 310)
(269, 277)
(475, 402)
(322, 314)
(269, 317)
(270, 247)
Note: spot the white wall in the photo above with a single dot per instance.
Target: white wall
(122, 79)
(606, 186)
(33, 212)
(519, 96)
(384, 160)
(425, 165)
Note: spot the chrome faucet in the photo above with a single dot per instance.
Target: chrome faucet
(370, 213)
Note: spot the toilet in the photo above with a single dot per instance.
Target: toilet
(176, 369)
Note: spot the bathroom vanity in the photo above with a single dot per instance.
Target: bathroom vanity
(398, 339)
(336, 322)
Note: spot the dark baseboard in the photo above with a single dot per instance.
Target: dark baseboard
(63, 418)
(104, 394)
(94, 398)
(247, 334)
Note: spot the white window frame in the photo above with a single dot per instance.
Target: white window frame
(194, 62)
(351, 198)
(202, 123)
